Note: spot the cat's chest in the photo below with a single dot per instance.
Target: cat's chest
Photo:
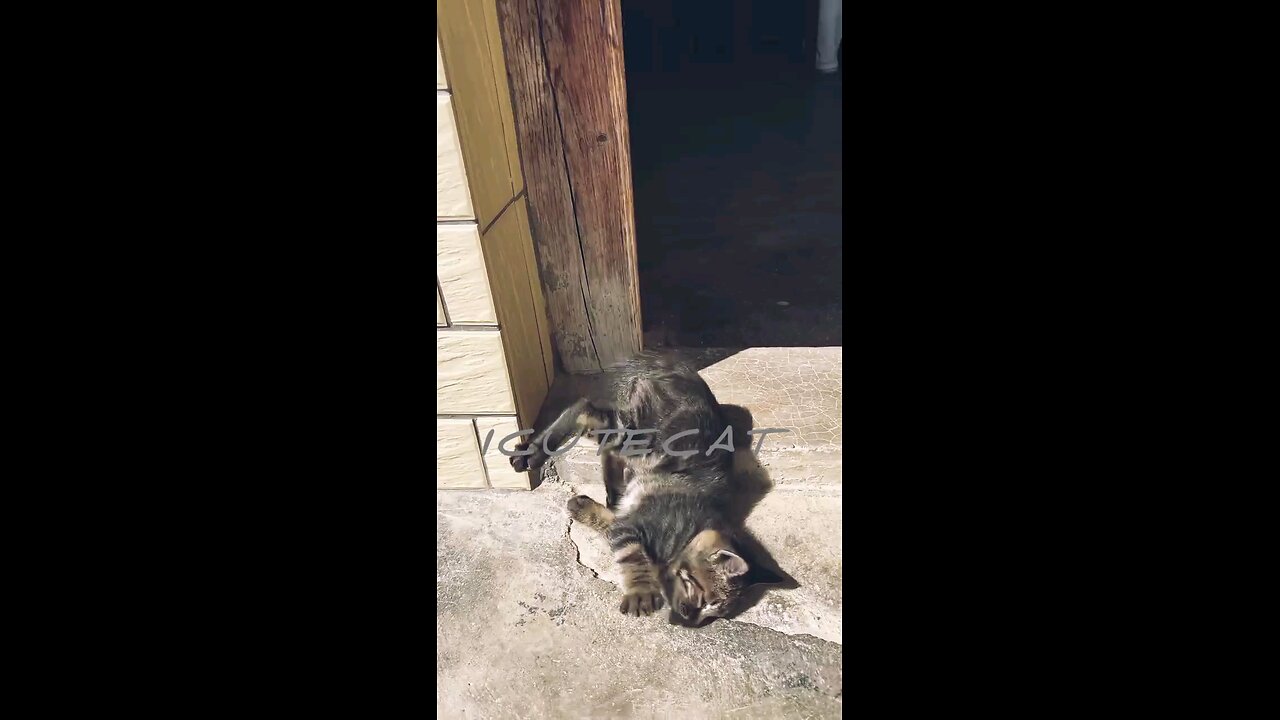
(639, 488)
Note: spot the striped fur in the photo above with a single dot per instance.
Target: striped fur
(670, 519)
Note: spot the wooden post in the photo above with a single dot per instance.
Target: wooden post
(568, 86)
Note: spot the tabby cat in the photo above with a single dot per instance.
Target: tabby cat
(670, 516)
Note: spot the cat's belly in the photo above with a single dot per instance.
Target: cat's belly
(641, 482)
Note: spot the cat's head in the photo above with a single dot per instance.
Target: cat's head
(708, 579)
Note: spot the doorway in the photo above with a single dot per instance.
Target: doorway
(682, 163)
(736, 147)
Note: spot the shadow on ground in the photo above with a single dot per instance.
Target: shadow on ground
(751, 485)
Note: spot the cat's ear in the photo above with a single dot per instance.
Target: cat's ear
(730, 564)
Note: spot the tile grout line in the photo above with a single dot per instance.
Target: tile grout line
(444, 307)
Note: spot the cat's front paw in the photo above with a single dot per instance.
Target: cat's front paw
(641, 601)
(523, 462)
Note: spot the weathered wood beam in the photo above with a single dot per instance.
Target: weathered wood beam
(568, 85)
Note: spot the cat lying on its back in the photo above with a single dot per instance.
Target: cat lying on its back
(667, 517)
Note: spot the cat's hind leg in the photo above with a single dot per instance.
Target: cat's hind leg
(590, 513)
(579, 419)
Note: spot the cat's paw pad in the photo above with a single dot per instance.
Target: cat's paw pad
(640, 602)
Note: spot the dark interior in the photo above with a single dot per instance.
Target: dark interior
(736, 159)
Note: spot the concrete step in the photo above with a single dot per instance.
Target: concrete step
(796, 389)
(798, 521)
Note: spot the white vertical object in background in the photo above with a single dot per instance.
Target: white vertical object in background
(830, 32)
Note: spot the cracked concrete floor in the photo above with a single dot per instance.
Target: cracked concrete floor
(527, 624)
